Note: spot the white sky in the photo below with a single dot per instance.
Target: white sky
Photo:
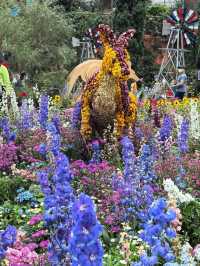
(169, 2)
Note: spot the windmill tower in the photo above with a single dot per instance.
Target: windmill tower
(184, 24)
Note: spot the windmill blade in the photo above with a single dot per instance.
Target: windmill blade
(181, 13)
(175, 16)
(191, 36)
(187, 40)
(194, 26)
(193, 18)
(171, 20)
(189, 14)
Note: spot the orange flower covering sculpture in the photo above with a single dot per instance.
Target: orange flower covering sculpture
(106, 98)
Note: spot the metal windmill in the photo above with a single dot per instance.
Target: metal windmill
(87, 51)
(184, 25)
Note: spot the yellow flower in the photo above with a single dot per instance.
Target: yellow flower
(56, 100)
(176, 103)
(186, 101)
(196, 100)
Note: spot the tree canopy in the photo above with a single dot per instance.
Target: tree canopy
(39, 39)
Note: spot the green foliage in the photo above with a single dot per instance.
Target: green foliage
(9, 186)
(39, 40)
(154, 19)
(18, 214)
(191, 221)
(127, 15)
(83, 20)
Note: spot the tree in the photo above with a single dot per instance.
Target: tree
(132, 14)
(39, 39)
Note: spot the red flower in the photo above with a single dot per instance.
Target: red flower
(23, 94)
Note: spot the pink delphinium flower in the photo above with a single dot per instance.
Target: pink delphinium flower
(35, 219)
(8, 156)
(44, 244)
(38, 234)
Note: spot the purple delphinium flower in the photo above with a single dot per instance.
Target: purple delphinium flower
(96, 156)
(166, 128)
(43, 112)
(183, 136)
(145, 165)
(7, 239)
(54, 145)
(84, 245)
(128, 156)
(157, 233)
(76, 115)
(25, 115)
(6, 131)
(58, 200)
(139, 134)
(57, 123)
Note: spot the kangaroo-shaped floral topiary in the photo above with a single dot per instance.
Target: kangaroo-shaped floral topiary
(106, 98)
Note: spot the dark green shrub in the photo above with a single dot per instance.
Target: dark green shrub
(9, 186)
(191, 221)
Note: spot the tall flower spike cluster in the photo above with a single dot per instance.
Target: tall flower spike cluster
(128, 156)
(183, 136)
(53, 139)
(14, 104)
(96, 155)
(166, 128)
(157, 233)
(84, 245)
(59, 197)
(7, 239)
(76, 115)
(145, 165)
(43, 112)
(131, 192)
(4, 104)
(6, 131)
(195, 120)
(25, 115)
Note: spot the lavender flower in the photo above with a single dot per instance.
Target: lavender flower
(43, 112)
(183, 136)
(84, 245)
(166, 128)
(76, 115)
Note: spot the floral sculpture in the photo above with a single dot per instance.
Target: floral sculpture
(106, 98)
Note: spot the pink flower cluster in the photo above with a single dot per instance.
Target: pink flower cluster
(8, 156)
(35, 219)
(24, 254)
(23, 257)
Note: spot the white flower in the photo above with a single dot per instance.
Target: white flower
(174, 192)
(186, 258)
(195, 120)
